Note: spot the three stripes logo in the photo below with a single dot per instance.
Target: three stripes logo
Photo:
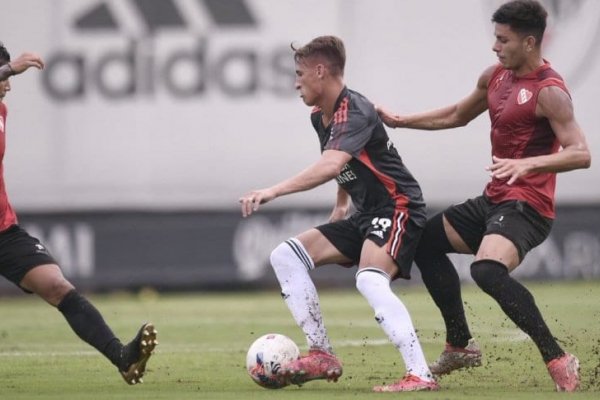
(168, 47)
(165, 14)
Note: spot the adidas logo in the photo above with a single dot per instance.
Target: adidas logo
(167, 47)
(166, 14)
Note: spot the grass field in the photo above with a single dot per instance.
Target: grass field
(204, 337)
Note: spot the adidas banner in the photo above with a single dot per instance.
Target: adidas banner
(186, 104)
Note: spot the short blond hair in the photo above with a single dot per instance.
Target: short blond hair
(331, 48)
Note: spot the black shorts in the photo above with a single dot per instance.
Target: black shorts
(395, 229)
(19, 253)
(515, 220)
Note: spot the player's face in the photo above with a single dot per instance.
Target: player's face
(309, 81)
(4, 88)
(510, 47)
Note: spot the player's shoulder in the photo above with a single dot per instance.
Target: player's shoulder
(554, 101)
(492, 72)
(360, 104)
(549, 77)
(554, 95)
(355, 97)
(551, 84)
(547, 71)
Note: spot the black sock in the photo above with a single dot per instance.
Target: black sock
(442, 281)
(87, 322)
(443, 285)
(517, 303)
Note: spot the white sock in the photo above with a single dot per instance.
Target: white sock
(291, 264)
(394, 319)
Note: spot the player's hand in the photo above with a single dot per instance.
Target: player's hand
(251, 201)
(25, 61)
(507, 168)
(388, 118)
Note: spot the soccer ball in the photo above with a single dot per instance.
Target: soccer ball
(266, 356)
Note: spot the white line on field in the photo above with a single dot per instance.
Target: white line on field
(48, 353)
(506, 336)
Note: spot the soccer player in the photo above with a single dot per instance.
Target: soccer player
(531, 120)
(28, 264)
(381, 236)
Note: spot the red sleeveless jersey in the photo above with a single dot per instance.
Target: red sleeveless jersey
(7, 215)
(518, 133)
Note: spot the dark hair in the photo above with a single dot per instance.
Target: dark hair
(331, 48)
(526, 17)
(4, 55)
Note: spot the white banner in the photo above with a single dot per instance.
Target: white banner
(175, 104)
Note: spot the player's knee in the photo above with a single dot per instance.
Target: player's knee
(291, 253)
(488, 274)
(48, 282)
(279, 254)
(371, 279)
(433, 242)
(55, 291)
(362, 282)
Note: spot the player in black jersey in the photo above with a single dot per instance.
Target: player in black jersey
(380, 236)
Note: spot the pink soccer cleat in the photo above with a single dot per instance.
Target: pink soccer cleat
(318, 364)
(410, 383)
(565, 372)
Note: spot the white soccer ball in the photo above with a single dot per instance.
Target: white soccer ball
(266, 356)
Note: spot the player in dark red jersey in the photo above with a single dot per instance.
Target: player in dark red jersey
(381, 236)
(28, 264)
(532, 118)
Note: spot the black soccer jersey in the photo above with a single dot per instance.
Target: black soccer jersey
(376, 177)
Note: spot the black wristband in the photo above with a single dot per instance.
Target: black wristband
(12, 71)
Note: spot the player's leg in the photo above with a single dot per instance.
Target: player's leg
(441, 279)
(291, 261)
(27, 263)
(48, 282)
(457, 230)
(501, 251)
(387, 253)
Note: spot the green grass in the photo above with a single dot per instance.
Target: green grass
(204, 337)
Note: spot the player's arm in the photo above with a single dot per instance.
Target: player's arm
(326, 168)
(555, 105)
(342, 205)
(20, 65)
(455, 115)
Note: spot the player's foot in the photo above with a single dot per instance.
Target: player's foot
(565, 372)
(318, 364)
(453, 358)
(137, 352)
(410, 383)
